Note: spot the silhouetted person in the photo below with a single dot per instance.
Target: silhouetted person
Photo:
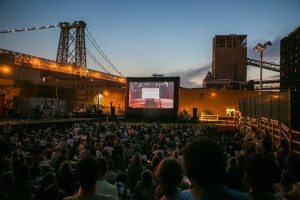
(102, 186)
(23, 183)
(87, 172)
(205, 165)
(49, 189)
(134, 171)
(234, 175)
(145, 188)
(121, 184)
(66, 179)
(169, 176)
(261, 173)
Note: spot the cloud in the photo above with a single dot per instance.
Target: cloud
(271, 54)
(194, 77)
(274, 77)
(191, 77)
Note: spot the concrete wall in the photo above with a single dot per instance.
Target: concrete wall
(216, 101)
(230, 63)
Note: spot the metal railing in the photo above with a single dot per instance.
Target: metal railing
(222, 121)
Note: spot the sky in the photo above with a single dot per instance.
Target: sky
(143, 37)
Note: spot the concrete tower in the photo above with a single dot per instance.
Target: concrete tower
(230, 57)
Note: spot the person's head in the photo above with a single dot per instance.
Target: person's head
(294, 194)
(261, 172)
(147, 177)
(65, 167)
(154, 161)
(47, 180)
(168, 175)
(232, 163)
(122, 177)
(204, 162)
(14, 155)
(58, 148)
(102, 166)
(87, 172)
(110, 165)
(136, 159)
(175, 154)
(49, 188)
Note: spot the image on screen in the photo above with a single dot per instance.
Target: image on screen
(151, 95)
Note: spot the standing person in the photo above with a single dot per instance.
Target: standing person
(169, 176)
(205, 165)
(87, 172)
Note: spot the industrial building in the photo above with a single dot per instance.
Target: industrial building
(230, 57)
(290, 61)
(229, 63)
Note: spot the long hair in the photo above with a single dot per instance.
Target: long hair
(168, 175)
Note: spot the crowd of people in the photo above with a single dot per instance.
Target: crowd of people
(141, 161)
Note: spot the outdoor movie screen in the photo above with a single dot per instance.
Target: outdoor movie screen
(151, 95)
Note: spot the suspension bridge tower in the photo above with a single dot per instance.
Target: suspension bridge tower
(71, 45)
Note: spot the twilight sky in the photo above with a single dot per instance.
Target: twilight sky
(142, 37)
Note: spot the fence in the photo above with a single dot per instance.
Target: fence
(274, 106)
(273, 129)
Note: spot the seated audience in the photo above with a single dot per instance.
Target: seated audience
(261, 173)
(205, 164)
(87, 172)
(49, 189)
(169, 176)
(145, 188)
(102, 186)
(121, 184)
(66, 179)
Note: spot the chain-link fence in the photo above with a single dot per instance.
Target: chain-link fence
(274, 105)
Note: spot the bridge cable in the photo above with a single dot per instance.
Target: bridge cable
(29, 29)
(103, 55)
(96, 61)
(102, 65)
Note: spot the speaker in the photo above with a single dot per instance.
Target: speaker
(195, 113)
(112, 111)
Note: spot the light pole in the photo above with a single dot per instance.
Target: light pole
(261, 48)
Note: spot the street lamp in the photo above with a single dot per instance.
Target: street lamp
(261, 48)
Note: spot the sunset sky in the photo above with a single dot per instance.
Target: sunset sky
(142, 37)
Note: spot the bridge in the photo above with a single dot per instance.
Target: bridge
(73, 56)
